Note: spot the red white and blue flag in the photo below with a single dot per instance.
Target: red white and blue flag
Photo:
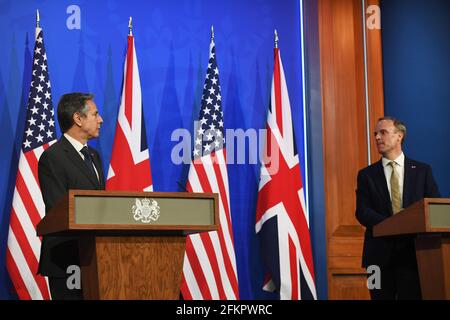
(209, 270)
(130, 162)
(24, 247)
(281, 219)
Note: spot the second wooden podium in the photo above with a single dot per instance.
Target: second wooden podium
(131, 244)
(429, 221)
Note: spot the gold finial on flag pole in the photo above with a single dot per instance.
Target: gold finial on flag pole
(130, 26)
(37, 18)
(276, 38)
(212, 33)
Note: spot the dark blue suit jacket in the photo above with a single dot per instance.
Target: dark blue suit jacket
(373, 205)
(61, 168)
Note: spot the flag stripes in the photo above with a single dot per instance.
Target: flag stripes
(280, 203)
(209, 270)
(24, 246)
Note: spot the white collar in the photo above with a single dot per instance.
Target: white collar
(74, 142)
(400, 161)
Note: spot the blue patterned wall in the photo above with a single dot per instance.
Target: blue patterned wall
(172, 42)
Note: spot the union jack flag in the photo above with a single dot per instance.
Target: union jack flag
(281, 220)
(24, 247)
(209, 270)
(130, 162)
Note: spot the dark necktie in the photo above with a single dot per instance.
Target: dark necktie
(88, 160)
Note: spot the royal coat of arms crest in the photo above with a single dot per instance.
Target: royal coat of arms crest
(145, 210)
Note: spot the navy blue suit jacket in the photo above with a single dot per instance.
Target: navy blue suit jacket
(373, 205)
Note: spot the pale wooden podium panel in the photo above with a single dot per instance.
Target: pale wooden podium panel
(429, 220)
(131, 244)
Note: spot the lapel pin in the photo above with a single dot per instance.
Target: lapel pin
(413, 167)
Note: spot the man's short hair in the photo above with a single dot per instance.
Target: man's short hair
(400, 126)
(68, 105)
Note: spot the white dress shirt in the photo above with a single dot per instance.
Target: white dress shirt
(78, 146)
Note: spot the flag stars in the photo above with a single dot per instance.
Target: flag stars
(37, 99)
(40, 138)
(41, 127)
(26, 144)
(39, 40)
(209, 100)
(47, 95)
(207, 110)
(196, 152)
(43, 116)
(39, 87)
(32, 121)
(49, 133)
(37, 50)
(212, 91)
(34, 110)
(42, 77)
(51, 122)
(29, 132)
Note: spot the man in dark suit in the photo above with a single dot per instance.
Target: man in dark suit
(68, 164)
(383, 189)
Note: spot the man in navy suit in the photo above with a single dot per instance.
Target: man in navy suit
(383, 189)
(68, 164)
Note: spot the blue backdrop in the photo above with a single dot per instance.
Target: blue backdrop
(172, 42)
(416, 67)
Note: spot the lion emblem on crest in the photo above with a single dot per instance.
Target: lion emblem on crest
(145, 210)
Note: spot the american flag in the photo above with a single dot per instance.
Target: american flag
(23, 251)
(209, 270)
(281, 220)
(130, 162)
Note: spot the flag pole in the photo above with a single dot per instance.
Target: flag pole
(37, 19)
(212, 33)
(276, 39)
(130, 26)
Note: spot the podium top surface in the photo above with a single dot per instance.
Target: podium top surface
(429, 215)
(83, 211)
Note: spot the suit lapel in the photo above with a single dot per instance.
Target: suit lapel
(76, 159)
(99, 168)
(381, 183)
(408, 182)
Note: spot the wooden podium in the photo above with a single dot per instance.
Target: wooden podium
(429, 220)
(131, 244)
